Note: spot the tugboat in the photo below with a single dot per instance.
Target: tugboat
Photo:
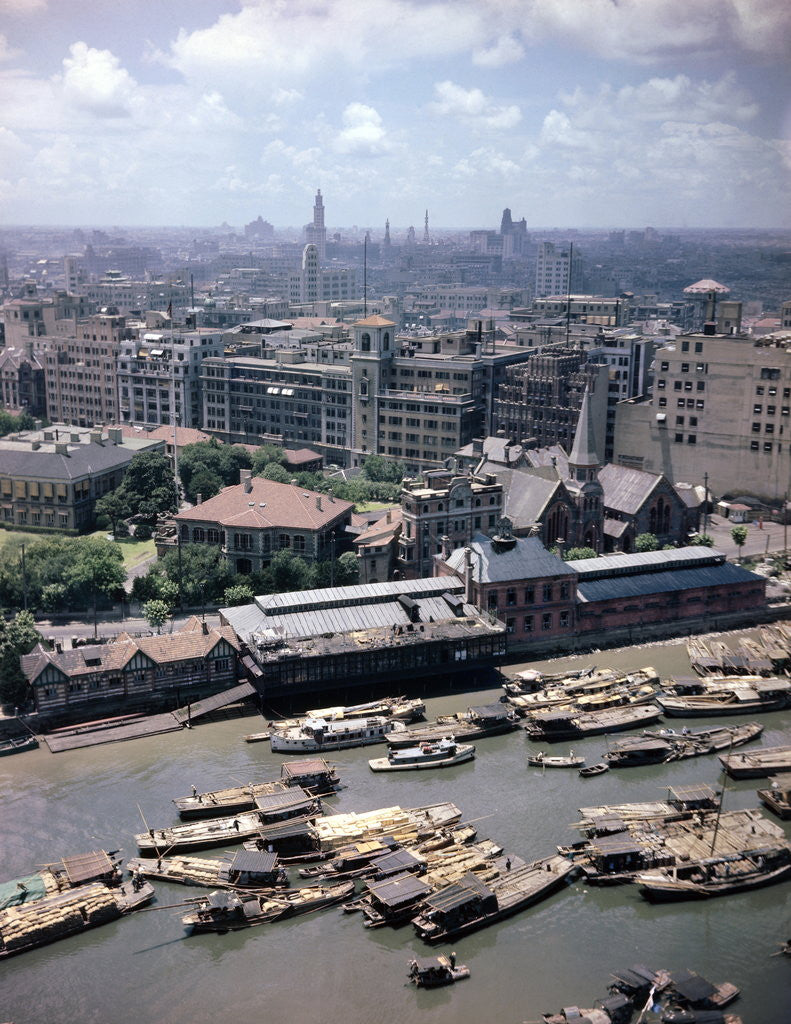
(431, 754)
(433, 971)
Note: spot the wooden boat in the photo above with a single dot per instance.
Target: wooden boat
(403, 709)
(392, 900)
(257, 737)
(755, 658)
(716, 876)
(593, 769)
(313, 775)
(666, 745)
(609, 696)
(17, 745)
(700, 657)
(775, 647)
(531, 679)
(564, 725)
(66, 913)
(318, 736)
(762, 695)
(244, 869)
(225, 910)
(473, 724)
(542, 760)
(196, 835)
(613, 1009)
(637, 751)
(682, 803)
(68, 873)
(757, 764)
(442, 753)
(465, 906)
(778, 797)
(689, 990)
(433, 971)
(351, 861)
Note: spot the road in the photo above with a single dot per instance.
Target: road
(770, 537)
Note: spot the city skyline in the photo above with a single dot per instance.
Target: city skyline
(572, 114)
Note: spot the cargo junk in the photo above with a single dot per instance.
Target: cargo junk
(730, 698)
(757, 764)
(665, 745)
(225, 911)
(314, 775)
(678, 997)
(245, 869)
(716, 876)
(597, 691)
(469, 904)
(70, 872)
(66, 913)
(473, 724)
(570, 725)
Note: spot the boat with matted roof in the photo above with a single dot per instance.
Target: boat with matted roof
(228, 910)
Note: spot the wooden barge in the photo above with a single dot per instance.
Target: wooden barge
(568, 725)
(473, 724)
(778, 797)
(313, 775)
(716, 876)
(201, 834)
(67, 913)
(757, 764)
(665, 746)
(69, 873)
(226, 911)
(245, 869)
(759, 696)
(467, 905)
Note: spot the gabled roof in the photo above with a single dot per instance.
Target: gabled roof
(268, 504)
(526, 559)
(382, 531)
(627, 490)
(374, 321)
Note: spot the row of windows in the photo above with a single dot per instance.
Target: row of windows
(547, 622)
(529, 594)
(689, 403)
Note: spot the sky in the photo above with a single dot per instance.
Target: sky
(573, 113)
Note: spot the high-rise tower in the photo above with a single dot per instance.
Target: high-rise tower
(316, 233)
(426, 235)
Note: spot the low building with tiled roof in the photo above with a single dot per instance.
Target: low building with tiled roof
(256, 518)
(377, 547)
(131, 673)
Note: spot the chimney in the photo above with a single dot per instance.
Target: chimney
(61, 448)
(115, 435)
(96, 436)
(75, 438)
(468, 575)
(35, 445)
(205, 627)
(198, 498)
(318, 502)
(445, 543)
(477, 446)
(389, 517)
(246, 480)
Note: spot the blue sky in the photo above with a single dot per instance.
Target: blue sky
(587, 113)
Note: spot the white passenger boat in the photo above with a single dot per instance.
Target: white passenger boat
(437, 754)
(318, 735)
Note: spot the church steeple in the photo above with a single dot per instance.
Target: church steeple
(387, 231)
(583, 460)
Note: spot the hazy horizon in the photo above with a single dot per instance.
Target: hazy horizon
(642, 112)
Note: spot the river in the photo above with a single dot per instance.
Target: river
(325, 966)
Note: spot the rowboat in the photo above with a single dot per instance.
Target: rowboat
(542, 760)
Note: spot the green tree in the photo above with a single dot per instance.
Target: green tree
(206, 483)
(290, 573)
(156, 613)
(348, 569)
(239, 593)
(646, 542)
(382, 470)
(206, 467)
(264, 455)
(274, 471)
(17, 637)
(575, 553)
(739, 536)
(702, 539)
(115, 505)
(201, 569)
(149, 486)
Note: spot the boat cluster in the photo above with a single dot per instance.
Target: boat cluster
(673, 997)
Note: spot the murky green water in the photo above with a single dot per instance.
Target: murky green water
(326, 967)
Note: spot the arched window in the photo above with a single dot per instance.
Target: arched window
(365, 342)
(386, 341)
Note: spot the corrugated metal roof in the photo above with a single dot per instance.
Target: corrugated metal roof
(526, 559)
(663, 582)
(645, 560)
(274, 604)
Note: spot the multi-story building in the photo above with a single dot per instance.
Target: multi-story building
(583, 309)
(35, 316)
(52, 478)
(444, 511)
(316, 232)
(540, 400)
(159, 374)
(558, 269)
(22, 385)
(128, 295)
(253, 520)
(721, 405)
(630, 357)
(314, 283)
(81, 371)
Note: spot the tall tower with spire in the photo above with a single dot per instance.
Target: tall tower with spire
(426, 235)
(583, 483)
(316, 233)
(387, 232)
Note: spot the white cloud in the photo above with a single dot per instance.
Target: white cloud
(281, 97)
(473, 106)
(485, 161)
(7, 52)
(363, 133)
(22, 7)
(506, 50)
(278, 149)
(94, 80)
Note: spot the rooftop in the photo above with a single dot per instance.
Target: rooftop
(268, 504)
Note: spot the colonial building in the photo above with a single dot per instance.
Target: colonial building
(377, 547)
(517, 580)
(253, 520)
(132, 673)
(22, 387)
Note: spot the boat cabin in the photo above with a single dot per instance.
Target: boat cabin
(606, 825)
(772, 689)
(432, 971)
(363, 853)
(251, 868)
(693, 798)
(637, 981)
(287, 838)
(394, 899)
(397, 861)
(466, 900)
(618, 1007)
(616, 854)
(491, 716)
(96, 866)
(695, 991)
(291, 803)
(312, 773)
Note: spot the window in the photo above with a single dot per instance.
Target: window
(698, 346)
(678, 438)
(676, 385)
(758, 410)
(198, 534)
(491, 600)
(546, 620)
(565, 590)
(528, 624)
(564, 620)
(754, 446)
(679, 421)
(771, 410)
(661, 383)
(692, 439)
(685, 346)
(510, 596)
(701, 385)
(693, 421)
(769, 428)
(510, 625)
(530, 595)
(767, 446)
(662, 402)
(664, 366)
(700, 404)
(685, 367)
(756, 428)
(546, 592)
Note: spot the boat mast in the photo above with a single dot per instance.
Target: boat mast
(722, 800)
